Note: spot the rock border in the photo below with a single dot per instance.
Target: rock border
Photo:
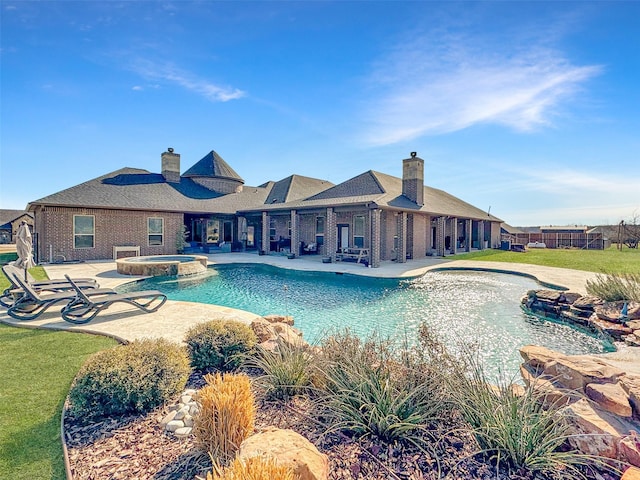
(600, 400)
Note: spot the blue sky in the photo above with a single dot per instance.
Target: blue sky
(531, 109)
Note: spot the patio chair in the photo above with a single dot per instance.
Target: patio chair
(56, 285)
(31, 304)
(86, 306)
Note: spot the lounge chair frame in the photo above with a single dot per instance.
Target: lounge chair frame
(31, 304)
(7, 297)
(84, 308)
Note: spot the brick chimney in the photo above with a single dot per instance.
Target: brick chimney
(413, 179)
(171, 166)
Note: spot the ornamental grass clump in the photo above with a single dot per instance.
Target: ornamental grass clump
(254, 468)
(226, 415)
(219, 344)
(127, 379)
(286, 371)
(516, 430)
(371, 389)
(615, 287)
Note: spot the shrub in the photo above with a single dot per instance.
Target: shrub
(219, 344)
(131, 378)
(286, 372)
(614, 287)
(226, 416)
(254, 468)
(373, 389)
(515, 429)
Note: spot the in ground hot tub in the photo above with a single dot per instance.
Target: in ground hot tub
(162, 265)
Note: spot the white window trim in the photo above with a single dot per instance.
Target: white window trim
(154, 233)
(84, 234)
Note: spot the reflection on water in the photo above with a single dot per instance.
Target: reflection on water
(482, 308)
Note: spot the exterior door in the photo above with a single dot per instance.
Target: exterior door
(343, 236)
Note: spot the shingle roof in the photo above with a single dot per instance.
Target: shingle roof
(510, 229)
(295, 187)
(212, 165)
(364, 184)
(386, 192)
(7, 216)
(136, 189)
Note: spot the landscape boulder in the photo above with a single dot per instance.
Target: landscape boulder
(273, 318)
(611, 397)
(575, 372)
(611, 312)
(287, 448)
(595, 432)
(270, 334)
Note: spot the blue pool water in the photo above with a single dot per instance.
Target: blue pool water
(476, 307)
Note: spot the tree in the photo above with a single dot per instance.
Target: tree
(629, 232)
(181, 239)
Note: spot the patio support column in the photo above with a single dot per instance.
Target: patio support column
(480, 235)
(375, 220)
(295, 234)
(402, 237)
(266, 245)
(331, 235)
(467, 235)
(440, 234)
(454, 235)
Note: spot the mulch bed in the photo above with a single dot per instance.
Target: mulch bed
(136, 447)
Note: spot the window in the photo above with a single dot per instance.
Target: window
(213, 231)
(155, 229)
(358, 231)
(320, 230)
(227, 233)
(250, 236)
(272, 229)
(289, 228)
(84, 231)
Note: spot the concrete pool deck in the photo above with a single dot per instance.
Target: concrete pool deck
(176, 317)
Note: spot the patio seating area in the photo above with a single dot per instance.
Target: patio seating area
(357, 255)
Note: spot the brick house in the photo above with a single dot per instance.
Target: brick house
(10, 221)
(392, 218)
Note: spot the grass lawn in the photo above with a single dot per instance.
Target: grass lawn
(600, 261)
(37, 367)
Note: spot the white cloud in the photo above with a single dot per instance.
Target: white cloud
(583, 215)
(568, 182)
(137, 88)
(453, 82)
(548, 196)
(172, 74)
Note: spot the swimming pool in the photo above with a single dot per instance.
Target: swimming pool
(479, 307)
